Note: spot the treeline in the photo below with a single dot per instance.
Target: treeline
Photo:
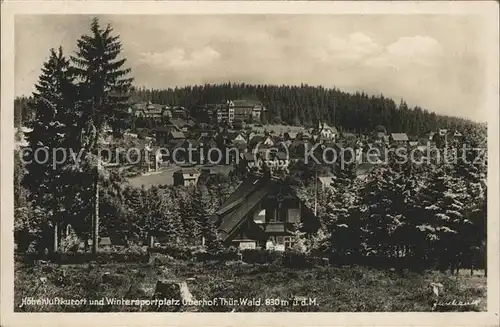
(305, 105)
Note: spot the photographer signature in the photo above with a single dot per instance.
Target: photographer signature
(455, 303)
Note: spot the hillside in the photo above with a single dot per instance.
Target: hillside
(305, 104)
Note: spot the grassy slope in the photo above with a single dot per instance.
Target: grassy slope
(335, 289)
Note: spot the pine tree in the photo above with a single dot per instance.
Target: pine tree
(103, 91)
(52, 104)
(134, 207)
(298, 239)
(187, 214)
(381, 222)
(444, 215)
(343, 221)
(202, 208)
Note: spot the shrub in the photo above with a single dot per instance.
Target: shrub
(260, 256)
(225, 254)
(175, 251)
(101, 257)
(293, 259)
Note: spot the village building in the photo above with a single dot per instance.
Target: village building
(175, 136)
(206, 134)
(244, 110)
(305, 136)
(399, 138)
(186, 177)
(150, 110)
(241, 146)
(262, 213)
(182, 124)
(206, 173)
(239, 124)
(179, 112)
(327, 133)
(443, 132)
(260, 141)
(234, 136)
(152, 157)
(273, 159)
(290, 135)
(276, 129)
(208, 150)
(162, 134)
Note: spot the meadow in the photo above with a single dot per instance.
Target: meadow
(326, 288)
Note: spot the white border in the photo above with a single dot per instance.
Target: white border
(487, 9)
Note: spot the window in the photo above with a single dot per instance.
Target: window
(293, 215)
(269, 215)
(283, 215)
(287, 240)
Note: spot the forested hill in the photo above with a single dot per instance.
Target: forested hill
(304, 104)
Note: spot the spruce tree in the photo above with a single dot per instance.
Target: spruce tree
(52, 104)
(444, 216)
(380, 220)
(103, 91)
(202, 208)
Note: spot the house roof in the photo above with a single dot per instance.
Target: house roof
(187, 171)
(257, 139)
(277, 129)
(246, 103)
(292, 135)
(399, 136)
(155, 107)
(166, 128)
(231, 135)
(177, 134)
(244, 199)
(207, 134)
(105, 241)
(194, 143)
(250, 157)
(177, 143)
(239, 144)
(207, 140)
(182, 122)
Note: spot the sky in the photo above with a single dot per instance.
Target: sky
(434, 61)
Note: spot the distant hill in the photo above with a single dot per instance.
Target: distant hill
(305, 105)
